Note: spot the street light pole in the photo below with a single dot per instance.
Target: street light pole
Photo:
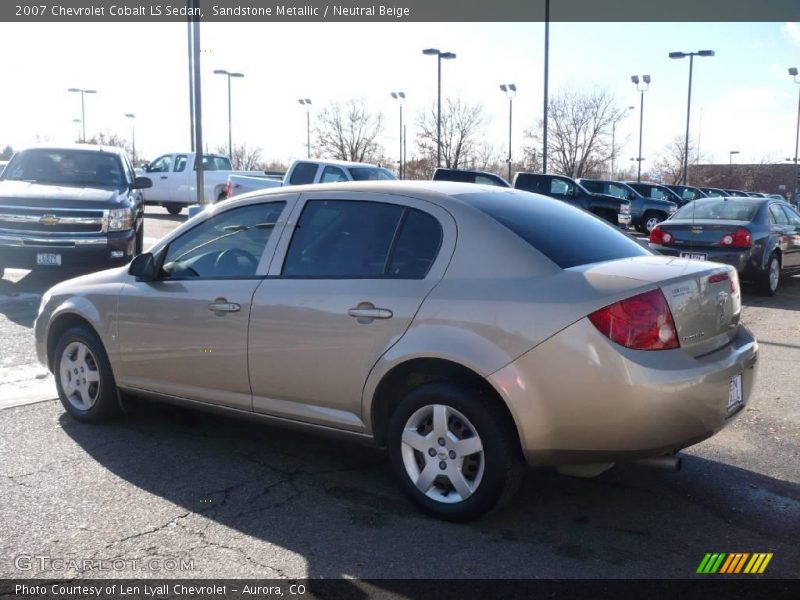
(230, 134)
(83, 109)
(510, 90)
(691, 56)
(440, 56)
(642, 87)
(132, 117)
(307, 104)
(730, 165)
(400, 97)
(794, 73)
(546, 83)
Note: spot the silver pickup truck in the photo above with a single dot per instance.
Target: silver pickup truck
(310, 171)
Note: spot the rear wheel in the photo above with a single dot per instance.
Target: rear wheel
(173, 209)
(769, 279)
(650, 220)
(83, 376)
(455, 452)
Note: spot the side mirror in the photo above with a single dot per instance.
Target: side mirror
(143, 267)
(141, 183)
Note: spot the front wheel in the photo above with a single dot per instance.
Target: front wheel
(770, 278)
(455, 452)
(83, 376)
(650, 220)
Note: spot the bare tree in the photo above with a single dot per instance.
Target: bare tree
(349, 133)
(579, 129)
(463, 127)
(106, 138)
(669, 167)
(245, 158)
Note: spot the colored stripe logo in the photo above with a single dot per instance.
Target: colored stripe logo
(734, 563)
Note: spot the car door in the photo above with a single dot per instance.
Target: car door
(791, 257)
(344, 286)
(179, 179)
(185, 334)
(159, 173)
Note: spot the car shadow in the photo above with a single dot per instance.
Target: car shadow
(787, 297)
(336, 505)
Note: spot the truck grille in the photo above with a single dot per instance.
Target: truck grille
(19, 219)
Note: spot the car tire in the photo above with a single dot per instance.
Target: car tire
(769, 279)
(464, 485)
(650, 220)
(173, 209)
(83, 375)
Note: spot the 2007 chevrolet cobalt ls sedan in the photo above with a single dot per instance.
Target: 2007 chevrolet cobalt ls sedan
(469, 329)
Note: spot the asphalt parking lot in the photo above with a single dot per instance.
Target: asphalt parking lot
(233, 499)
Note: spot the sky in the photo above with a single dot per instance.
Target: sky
(742, 99)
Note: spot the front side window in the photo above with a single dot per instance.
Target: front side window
(557, 186)
(159, 165)
(619, 191)
(332, 175)
(350, 239)
(229, 244)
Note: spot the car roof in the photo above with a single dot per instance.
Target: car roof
(435, 191)
(84, 147)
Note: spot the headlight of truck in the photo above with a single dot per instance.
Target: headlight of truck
(120, 219)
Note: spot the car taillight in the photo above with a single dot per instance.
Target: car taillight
(643, 322)
(738, 239)
(733, 280)
(659, 236)
(228, 190)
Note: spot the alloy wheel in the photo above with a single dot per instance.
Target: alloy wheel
(774, 273)
(79, 375)
(442, 453)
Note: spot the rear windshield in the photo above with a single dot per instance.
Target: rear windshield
(371, 174)
(566, 235)
(719, 208)
(67, 167)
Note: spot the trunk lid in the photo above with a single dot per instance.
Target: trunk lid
(700, 234)
(703, 297)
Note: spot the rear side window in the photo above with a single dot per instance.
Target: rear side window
(593, 186)
(530, 183)
(337, 239)
(568, 236)
(791, 214)
(417, 246)
(777, 215)
(303, 173)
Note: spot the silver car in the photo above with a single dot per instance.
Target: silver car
(468, 329)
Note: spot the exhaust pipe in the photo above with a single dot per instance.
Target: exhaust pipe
(668, 461)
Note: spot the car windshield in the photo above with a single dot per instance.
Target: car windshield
(718, 209)
(371, 174)
(67, 167)
(566, 235)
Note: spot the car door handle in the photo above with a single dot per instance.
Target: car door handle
(220, 306)
(163, 177)
(370, 312)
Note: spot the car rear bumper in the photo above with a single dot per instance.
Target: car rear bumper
(741, 260)
(578, 397)
(110, 249)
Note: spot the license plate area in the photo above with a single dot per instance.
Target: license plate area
(48, 259)
(735, 398)
(694, 255)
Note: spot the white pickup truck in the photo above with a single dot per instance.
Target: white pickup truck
(174, 179)
(310, 171)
